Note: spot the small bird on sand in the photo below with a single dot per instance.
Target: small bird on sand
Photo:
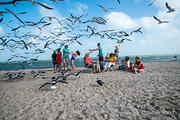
(99, 82)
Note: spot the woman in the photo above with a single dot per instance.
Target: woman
(59, 59)
(116, 52)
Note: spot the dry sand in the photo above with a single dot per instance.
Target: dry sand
(152, 95)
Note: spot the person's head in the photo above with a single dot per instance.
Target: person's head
(78, 53)
(111, 55)
(131, 64)
(59, 50)
(54, 51)
(127, 58)
(66, 46)
(98, 44)
(117, 47)
(87, 55)
(138, 59)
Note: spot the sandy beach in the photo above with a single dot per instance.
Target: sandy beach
(152, 95)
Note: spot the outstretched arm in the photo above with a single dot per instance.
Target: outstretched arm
(94, 49)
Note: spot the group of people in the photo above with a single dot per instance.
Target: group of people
(112, 60)
(58, 58)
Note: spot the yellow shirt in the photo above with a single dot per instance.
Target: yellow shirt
(112, 59)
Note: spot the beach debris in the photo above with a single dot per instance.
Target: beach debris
(14, 76)
(99, 82)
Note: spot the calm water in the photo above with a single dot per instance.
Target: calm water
(79, 62)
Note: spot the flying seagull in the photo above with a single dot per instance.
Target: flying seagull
(118, 1)
(151, 2)
(136, 31)
(52, 84)
(15, 15)
(170, 10)
(33, 2)
(56, 0)
(99, 82)
(105, 10)
(159, 21)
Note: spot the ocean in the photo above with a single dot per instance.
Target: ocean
(17, 65)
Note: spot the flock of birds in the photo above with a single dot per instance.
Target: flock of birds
(73, 27)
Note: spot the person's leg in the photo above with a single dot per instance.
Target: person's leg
(67, 60)
(72, 65)
(140, 70)
(135, 70)
(54, 66)
(64, 63)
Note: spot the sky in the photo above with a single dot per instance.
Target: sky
(127, 16)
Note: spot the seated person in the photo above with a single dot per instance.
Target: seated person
(131, 68)
(125, 64)
(90, 64)
(138, 66)
(111, 60)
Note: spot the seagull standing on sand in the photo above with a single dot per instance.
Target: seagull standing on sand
(99, 82)
(159, 21)
(170, 10)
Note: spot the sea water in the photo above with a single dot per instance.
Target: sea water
(79, 62)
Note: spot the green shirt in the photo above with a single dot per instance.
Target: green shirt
(65, 54)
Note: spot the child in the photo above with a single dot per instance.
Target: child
(59, 59)
(74, 55)
(111, 60)
(125, 64)
(131, 67)
(138, 66)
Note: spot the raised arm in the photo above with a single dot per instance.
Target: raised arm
(94, 49)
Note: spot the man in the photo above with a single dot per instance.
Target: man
(66, 53)
(101, 57)
(54, 58)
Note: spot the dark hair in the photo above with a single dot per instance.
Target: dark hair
(78, 53)
(138, 58)
(66, 46)
(98, 44)
(127, 58)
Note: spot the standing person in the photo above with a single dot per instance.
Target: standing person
(101, 57)
(66, 53)
(54, 57)
(116, 52)
(74, 55)
(138, 66)
(59, 59)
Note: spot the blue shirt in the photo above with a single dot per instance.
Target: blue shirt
(100, 52)
(65, 54)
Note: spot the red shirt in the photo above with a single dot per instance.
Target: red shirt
(88, 60)
(59, 58)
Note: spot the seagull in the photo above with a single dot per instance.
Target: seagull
(76, 74)
(105, 10)
(1, 20)
(151, 2)
(15, 15)
(99, 82)
(159, 21)
(52, 84)
(170, 10)
(136, 31)
(56, 0)
(33, 2)
(118, 1)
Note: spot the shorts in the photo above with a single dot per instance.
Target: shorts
(117, 55)
(73, 58)
(122, 67)
(90, 66)
(108, 65)
(65, 60)
(101, 59)
(54, 62)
